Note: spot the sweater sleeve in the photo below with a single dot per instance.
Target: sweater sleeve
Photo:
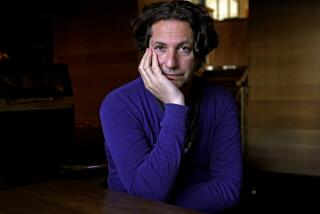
(145, 170)
(223, 189)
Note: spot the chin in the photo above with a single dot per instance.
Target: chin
(178, 84)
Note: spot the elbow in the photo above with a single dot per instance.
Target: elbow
(234, 200)
(148, 192)
(233, 196)
(149, 195)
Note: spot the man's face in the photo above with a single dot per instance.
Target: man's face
(173, 41)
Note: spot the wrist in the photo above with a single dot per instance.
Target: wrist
(179, 101)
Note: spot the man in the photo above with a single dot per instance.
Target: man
(171, 136)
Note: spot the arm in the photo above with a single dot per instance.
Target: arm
(146, 170)
(223, 189)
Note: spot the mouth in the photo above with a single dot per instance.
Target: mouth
(173, 77)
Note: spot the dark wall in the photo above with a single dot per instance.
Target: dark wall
(92, 37)
(97, 45)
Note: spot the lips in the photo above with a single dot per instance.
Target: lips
(173, 76)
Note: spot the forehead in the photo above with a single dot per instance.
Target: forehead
(170, 31)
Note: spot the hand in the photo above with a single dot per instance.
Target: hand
(158, 84)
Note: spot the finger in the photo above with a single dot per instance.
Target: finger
(151, 80)
(155, 64)
(147, 63)
(156, 68)
(144, 70)
(141, 67)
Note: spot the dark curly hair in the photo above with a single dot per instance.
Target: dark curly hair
(198, 17)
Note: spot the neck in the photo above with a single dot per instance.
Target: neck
(186, 89)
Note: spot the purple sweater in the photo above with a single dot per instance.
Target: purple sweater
(145, 148)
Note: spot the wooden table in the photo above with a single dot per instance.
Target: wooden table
(77, 196)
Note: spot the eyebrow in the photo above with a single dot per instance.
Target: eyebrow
(164, 44)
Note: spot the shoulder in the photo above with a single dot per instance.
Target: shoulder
(217, 97)
(123, 95)
(215, 92)
(218, 104)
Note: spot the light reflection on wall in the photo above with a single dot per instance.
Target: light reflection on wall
(195, 1)
(224, 9)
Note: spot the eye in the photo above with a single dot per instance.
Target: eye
(185, 49)
(160, 48)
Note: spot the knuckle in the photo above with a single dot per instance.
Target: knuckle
(145, 67)
(148, 86)
(154, 67)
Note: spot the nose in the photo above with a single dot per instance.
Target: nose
(171, 60)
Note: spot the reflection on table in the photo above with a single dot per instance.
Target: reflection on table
(78, 196)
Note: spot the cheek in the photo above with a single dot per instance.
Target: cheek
(161, 58)
(189, 63)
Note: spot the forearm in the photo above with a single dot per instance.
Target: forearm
(156, 174)
(220, 186)
(210, 197)
(147, 169)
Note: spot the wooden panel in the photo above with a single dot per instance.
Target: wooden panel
(98, 47)
(233, 41)
(284, 114)
(284, 86)
(91, 87)
(290, 20)
(308, 45)
(291, 91)
(285, 68)
(109, 56)
(285, 150)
